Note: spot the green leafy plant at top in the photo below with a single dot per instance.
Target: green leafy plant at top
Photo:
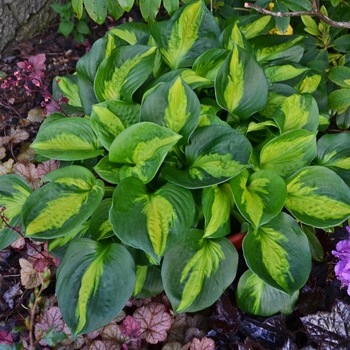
(71, 25)
(173, 137)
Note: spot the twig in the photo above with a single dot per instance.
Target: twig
(314, 12)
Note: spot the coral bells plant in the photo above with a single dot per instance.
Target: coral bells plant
(172, 142)
(342, 267)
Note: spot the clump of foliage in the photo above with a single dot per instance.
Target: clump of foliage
(172, 137)
(69, 24)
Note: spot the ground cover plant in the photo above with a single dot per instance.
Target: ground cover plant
(171, 142)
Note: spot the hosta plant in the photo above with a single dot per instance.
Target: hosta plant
(174, 136)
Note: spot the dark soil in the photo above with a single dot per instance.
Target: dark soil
(230, 327)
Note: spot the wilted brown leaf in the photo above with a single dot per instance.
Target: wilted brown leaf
(19, 243)
(2, 152)
(6, 168)
(29, 173)
(204, 344)
(155, 322)
(35, 115)
(30, 278)
(18, 135)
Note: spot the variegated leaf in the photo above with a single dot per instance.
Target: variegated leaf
(63, 204)
(140, 150)
(13, 193)
(196, 272)
(217, 202)
(100, 226)
(108, 170)
(158, 220)
(131, 32)
(67, 139)
(287, 153)
(232, 36)
(191, 31)
(333, 152)
(283, 72)
(241, 85)
(259, 298)
(284, 48)
(317, 196)
(254, 25)
(108, 119)
(216, 154)
(123, 72)
(68, 85)
(278, 252)
(259, 196)
(298, 111)
(148, 281)
(173, 105)
(91, 280)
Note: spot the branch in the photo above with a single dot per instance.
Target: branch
(314, 12)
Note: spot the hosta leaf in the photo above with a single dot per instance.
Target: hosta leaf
(278, 252)
(108, 170)
(297, 112)
(260, 196)
(240, 85)
(67, 139)
(255, 25)
(173, 105)
(208, 64)
(148, 281)
(141, 148)
(65, 203)
(284, 48)
(158, 220)
(78, 8)
(196, 272)
(88, 64)
(100, 225)
(317, 196)
(191, 31)
(217, 202)
(333, 152)
(131, 32)
(68, 85)
(232, 36)
(258, 298)
(216, 154)
(123, 72)
(110, 118)
(283, 72)
(91, 280)
(13, 193)
(287, 153)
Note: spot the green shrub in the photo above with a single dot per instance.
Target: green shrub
(177, 132)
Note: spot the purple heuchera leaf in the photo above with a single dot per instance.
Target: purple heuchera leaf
(342, 267)
(130, 327)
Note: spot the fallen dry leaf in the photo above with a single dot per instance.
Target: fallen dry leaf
(2, 152)
(18, 135)
(11, 294)
(35, 115)
(6, 168)
(154, 320)
(30, 278)
(19, 243)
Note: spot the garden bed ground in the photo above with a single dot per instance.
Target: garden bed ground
(321, 299)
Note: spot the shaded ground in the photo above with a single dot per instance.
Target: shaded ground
(226, 325)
